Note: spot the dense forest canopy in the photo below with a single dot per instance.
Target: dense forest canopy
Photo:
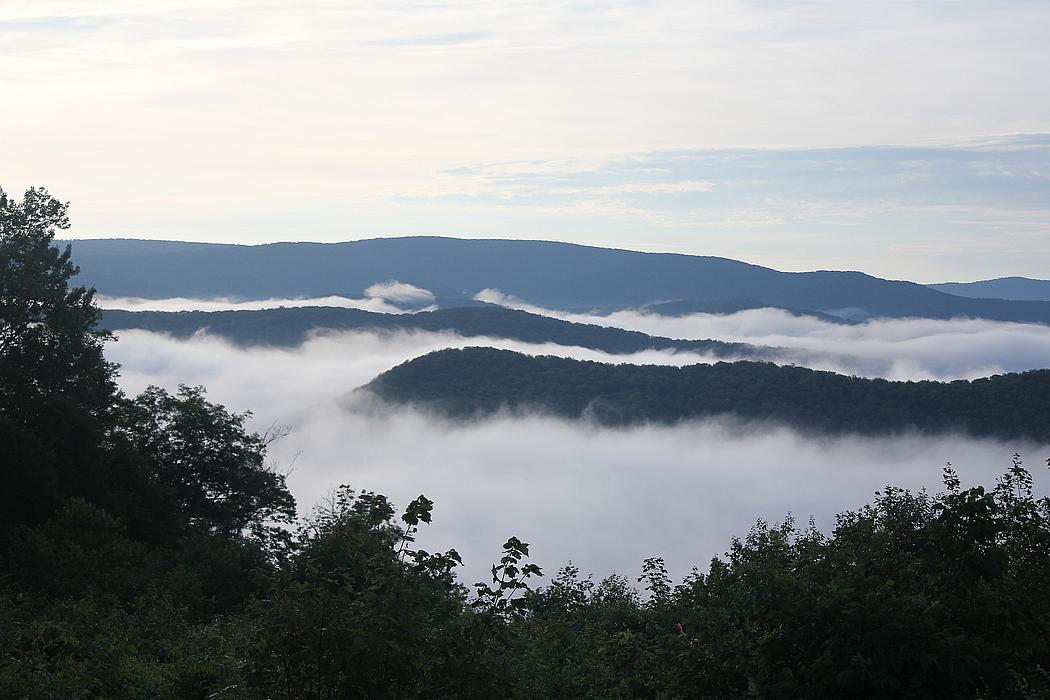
(147, 551)
(474, 382)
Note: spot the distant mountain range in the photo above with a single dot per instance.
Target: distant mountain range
(292, 326)
(1015, 288)
(477, 382)
(549, 274)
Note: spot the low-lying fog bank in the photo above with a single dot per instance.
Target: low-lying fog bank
(603, 498)
(899, 349)
(388, 298)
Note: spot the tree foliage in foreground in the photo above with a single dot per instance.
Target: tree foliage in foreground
(142, 555)
(913, 595)
(118, 515)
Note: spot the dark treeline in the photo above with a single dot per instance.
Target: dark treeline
(148, 551)
(293, 326)
(473, 382)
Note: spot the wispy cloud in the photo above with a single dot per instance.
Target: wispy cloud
(897, 349)
(1010, 175)
(951, 198)
(387, 297)
(699, 127)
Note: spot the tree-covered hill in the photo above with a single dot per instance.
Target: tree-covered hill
(292, 326)
(551, 274)
(473, 382)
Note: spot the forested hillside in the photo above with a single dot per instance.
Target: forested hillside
(475, 382)
(147, 550)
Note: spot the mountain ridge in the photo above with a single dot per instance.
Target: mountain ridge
(551, 274)
(472, 383)
(1012, 288)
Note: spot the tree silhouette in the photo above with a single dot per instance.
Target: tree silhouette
(56, 389)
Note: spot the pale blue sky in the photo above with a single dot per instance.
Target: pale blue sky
(906, 139)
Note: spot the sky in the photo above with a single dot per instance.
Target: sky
(910, 140)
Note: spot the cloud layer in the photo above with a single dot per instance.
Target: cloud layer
(387, 298)
(399, 291)
(899, 349)
(604, 498)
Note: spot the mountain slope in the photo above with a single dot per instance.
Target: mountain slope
(1014, 288)
(475, 382)
(556, 275)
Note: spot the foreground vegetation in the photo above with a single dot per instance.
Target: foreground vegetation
(148, 551)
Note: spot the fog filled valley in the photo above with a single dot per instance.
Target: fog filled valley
(907, 348)
(603, 498)
(286, 471)
(603, 350)
(387, 490)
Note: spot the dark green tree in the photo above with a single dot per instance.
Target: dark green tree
(56, 389)
(203, 453)
(357, 612)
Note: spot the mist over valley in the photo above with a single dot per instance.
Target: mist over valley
(461, 350)
(307, 363)
(603, 497)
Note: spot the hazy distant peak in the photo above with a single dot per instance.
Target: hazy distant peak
(1011, 288)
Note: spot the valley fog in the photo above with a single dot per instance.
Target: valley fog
(603, 498)
(325, 326)
(896, 349)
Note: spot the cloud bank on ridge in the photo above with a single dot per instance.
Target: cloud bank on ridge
(380, 298)
(899, 349)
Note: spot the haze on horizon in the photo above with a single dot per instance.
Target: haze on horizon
(907, 140)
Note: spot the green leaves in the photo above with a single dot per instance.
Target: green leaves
(204, 454)
(418, 511)
(509, 578)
